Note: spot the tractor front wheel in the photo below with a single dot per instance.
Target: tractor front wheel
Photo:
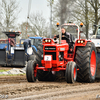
(30, 71)
(71, 72)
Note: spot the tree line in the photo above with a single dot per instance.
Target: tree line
(64, 11)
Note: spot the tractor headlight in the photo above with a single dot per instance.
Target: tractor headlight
(78, 41)
(45, 40)
(81, 41)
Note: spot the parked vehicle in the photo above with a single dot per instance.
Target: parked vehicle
(13, 55)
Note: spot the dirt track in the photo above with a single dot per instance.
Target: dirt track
(18, 87)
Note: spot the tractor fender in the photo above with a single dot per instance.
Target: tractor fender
(34, 47)
(77, 44)
(81, 42)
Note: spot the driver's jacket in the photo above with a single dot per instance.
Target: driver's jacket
(67, 37)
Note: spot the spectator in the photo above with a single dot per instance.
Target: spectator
(27, 43)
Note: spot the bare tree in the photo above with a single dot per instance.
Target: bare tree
(9, 14)
(23, 27)
(84, 13)
(62, 10)
(39, 24)
(86, 18)
(95, 4)
(61, 13)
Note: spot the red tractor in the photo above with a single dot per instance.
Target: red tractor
(53, 57)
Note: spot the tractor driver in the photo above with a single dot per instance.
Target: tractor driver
(65, 36)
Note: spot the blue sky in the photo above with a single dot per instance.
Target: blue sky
(36, 6)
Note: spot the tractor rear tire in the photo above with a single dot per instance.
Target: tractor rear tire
(34, 50)
(40, 44)
(39, 54)
(86, 63)
(38, 60)
(40, 48)
(30, 71)
(71, 72)
(32, 57)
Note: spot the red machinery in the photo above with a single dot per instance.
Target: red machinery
(80, 64)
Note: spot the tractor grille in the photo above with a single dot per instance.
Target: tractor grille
(50, 48)
(51, 53)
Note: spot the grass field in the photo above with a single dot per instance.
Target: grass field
(3, 70)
